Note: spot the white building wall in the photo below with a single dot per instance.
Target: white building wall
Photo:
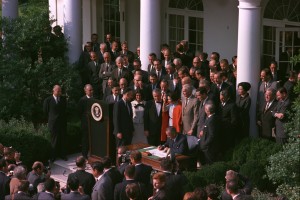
(132, 24)
(221, 27)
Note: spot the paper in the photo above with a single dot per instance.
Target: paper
(158, 153)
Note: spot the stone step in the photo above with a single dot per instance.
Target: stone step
(61, 169)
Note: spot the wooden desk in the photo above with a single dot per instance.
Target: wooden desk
(185, 162)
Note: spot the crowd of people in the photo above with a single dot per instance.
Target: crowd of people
(130, 179)
(183, 104)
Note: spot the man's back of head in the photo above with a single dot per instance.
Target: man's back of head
(129, 172)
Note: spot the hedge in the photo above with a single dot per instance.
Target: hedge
(33, 143)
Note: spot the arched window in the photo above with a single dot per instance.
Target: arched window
(190, 5)
(281, 32)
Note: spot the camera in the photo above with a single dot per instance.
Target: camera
(125, 158)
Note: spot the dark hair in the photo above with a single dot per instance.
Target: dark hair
(73, 183)
(49, 184)
(80, 161)
(174, 96)
(126, 90)
(133, 191)
(24, 186)
(153, 74)
(245, 85)
(2, 163)
(136, 155)
(212, 191)
(139, 91)
(200, 193)
(232, 186)
(98, 166)
(202, 90)
(106, 162)
(152, 55)
(282, 90)
(166, 164)
(130, 171)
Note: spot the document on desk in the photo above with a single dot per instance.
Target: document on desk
(158, 153)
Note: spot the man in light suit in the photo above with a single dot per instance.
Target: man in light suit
(55, 108)
(103, 189)
(73, 184)
(190, 113)
(122, 118)
(106, 69)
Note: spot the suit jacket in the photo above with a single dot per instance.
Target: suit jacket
(94, 72)
(18, 196)
(190, 114)
(175, 185)
(122, 118)
(261, 92)
(129, 54)
(211, 132)
(229, 116)
(86, 180)
(74, 196)
(152, 122)
(114, 55)
(243, 108)
(267, 120)
(162, 74)
(179, 145)
(45, 195)
(106, 70)
(150, 71)
(103, 189)
(115, 175)
(4, 185)
(163, 63)
(281, 107)
(56, 113)
(110, 99)
(142, 173)
(202, 115)
(161, 195)
(129, 67)
(120, 193)
(125, 74)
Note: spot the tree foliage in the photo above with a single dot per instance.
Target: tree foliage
(284, 166)
(29, 65)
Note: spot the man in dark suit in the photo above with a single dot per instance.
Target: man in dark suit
(265, 119)
(121, 71)
(153, 118)
(219, 85)
(111, 171)
(126, 63)
(170, 71)
(126, 52)
(176, 143)
(209, 135)
(4, 180)
(159, 70)
(167, 58)
(142, 171)
(151, 58)
(154, 84)
(103, 188)
(86, 180)
(174, 182)
(114, 51)
(137, 67)
(95, 43)
(95, 81)
(106, 69)
(50, 190)
(55, 108)
(120, 189)
(83, 61)
(108, 41)
(73, 184)
(123, 124)
(232, 188)
(115, 96)
(229, 120)
(280, 114)
(83, 113)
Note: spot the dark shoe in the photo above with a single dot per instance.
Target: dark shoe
(64, 158)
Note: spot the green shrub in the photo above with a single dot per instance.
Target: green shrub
(32, 143)
(255, 171)
(254, 149)
(212, 174)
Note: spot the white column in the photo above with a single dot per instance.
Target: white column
(53, 11)
(86, 20)
(149, 30)
(249, 52)
(72, 28)
(10, 8)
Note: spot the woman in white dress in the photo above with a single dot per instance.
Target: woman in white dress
(138, 107)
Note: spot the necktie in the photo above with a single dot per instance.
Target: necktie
(106, 66)
(266, 86)
(267, 106)
(120, 73)
(186, 102)
(158, 75)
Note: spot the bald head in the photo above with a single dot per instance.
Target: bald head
(56, 90)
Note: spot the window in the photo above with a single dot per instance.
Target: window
(112, 18)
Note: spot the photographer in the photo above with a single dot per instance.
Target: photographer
(38, 175)
(122, 159)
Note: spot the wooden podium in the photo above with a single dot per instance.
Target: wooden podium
(101, 138)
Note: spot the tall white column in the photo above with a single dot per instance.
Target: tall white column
(249, 52)
(149, 30)
(53, 11)
(86, 20)
(10, 8)
(72, 28)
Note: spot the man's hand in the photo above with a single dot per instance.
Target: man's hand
(190, 132)
(119, 135)
(279, 115)
(200, 134)
(160, 147)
